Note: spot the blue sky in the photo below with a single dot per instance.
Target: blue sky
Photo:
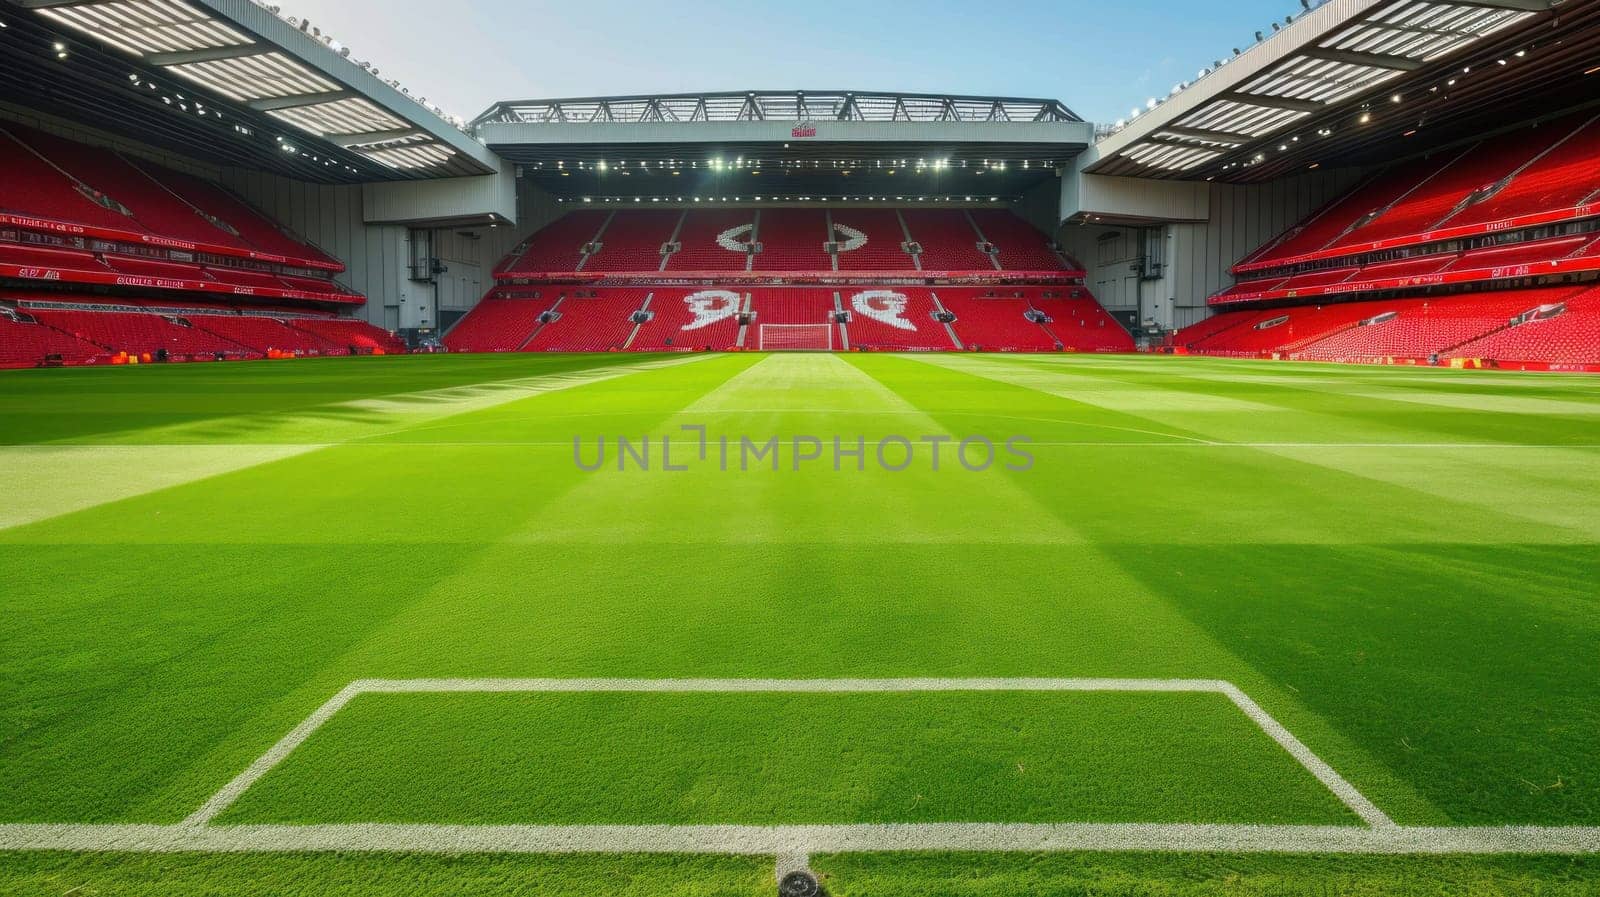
(1100, 58)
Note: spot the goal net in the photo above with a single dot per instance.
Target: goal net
(795, 337)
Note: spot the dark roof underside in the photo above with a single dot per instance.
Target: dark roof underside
(93, 86)
(1558, 70)
(811, 171)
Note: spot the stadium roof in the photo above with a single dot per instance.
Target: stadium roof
(786, 145)
(781, 105)
(226, 80)
(1342, 82)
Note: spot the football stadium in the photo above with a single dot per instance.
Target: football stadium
(794, 491)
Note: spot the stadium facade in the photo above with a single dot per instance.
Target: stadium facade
(1370, 180)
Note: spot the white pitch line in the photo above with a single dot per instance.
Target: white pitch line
(792, 861)
(794, 844)
(567, 444)
(274, 755)
(844, 686)
(1337, 784)
(791, 840)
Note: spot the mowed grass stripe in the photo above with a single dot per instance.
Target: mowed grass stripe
(1549, 488)
(158, 644)
(1181, 551)
(362, 494)
(1093, 489)
(1190, 495)
(1316, 407)
(42, 481)
(251, 402)
(788, 759)
(772, 500)
(1454, 667)
(1544, 497)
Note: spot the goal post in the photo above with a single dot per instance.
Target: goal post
(795, 337)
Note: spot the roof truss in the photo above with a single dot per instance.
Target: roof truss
(787, 105)
(1335, 60)
(186, 39)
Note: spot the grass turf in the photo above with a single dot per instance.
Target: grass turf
(882, 875)
(1398, 564)
(790, 759)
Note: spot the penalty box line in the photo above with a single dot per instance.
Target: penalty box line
(793, 844)
(1341, 788)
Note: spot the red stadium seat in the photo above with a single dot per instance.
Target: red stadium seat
(590, 321)
(690, 320)
(792, 240)
(498, 324)
(778, 286)
(948, 238)
(1414, 330)
(894, 319)
(87, 215)
(698, 239)
(802, 314)
(633, 241)
(139, 333)
(1570, 337)
(349, 334)
(1524, 178)
(27, 342)
(1019, 245)
(995, 320)
(558, 247)
(883, 240)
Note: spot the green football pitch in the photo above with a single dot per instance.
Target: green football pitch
(663, 625)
